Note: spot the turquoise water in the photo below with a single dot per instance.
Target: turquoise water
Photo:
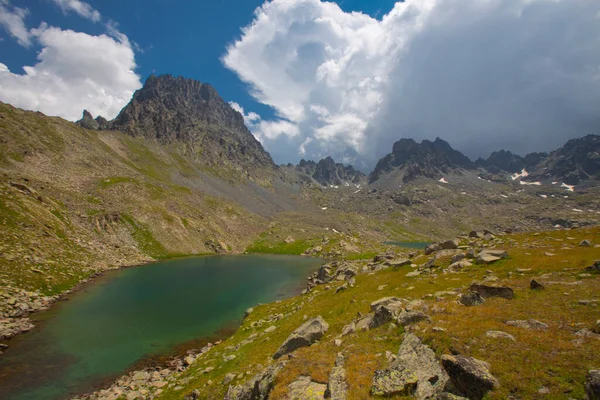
(132, 313)
(409, 245)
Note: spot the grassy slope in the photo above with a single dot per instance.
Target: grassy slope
(551, 359)
(93, 200)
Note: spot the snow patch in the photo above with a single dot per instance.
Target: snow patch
(554, 183)
(543, 196)
(577, 210)
(323, 208)
(531, 183)
(570, 188)
(334, 230)
(463, 192)
(503, 195)
(358, 191)
(523, 174)
(443, 180)
(346, 184)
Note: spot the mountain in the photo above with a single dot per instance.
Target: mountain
(506, 161)
(192, 115)
(410, 160)
(327, 172)
(577, 161)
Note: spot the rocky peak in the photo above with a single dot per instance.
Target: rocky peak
(328, 172)
(171, 109)
(576, 161)
(428, 159)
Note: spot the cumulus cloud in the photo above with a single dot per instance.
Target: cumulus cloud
(12, 19)
(266, 130)
(80, 8)
(483, 74)
(74, 71)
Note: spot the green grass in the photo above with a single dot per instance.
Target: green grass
(261, 246)
(115, 180)
(144, 238)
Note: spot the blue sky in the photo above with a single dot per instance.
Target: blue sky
(315, 78)
(184, 38)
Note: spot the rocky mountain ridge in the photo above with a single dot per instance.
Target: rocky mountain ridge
(329, 173)
(575, 162)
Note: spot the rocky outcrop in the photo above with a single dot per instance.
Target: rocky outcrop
(257, 388)
(470, 376)
(398, 381)
(337, 388)
(308, 333)
(304, 388)
(471, 299)
(87, 121)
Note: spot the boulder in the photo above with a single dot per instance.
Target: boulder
(419, 358)
(304, 388)
(257, 388)
(411, 317)
(324, 273)
(486, 259)
(337, 388)
(493, 291)
(596, 328)
(592, 385)
(449, 244)
(585, 243)
(432, 248)
(495, 252)
(289, 240)
(364, 323)
(382, 316)
(471, 299)
(528, 324)
(535, 285)
(470, 376)
(385, 301)
(457, 266)
(398, 381)
(401, 262)
(308, 333)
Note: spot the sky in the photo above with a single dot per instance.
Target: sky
(315, 78)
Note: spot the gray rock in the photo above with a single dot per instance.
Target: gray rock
(594, 267)
(471, 299)
(420, 359)
(337, 388)
(500, 335)
(476, 235)
(411, 317)
(304, 388)
(398, 381)
(592, 385)
(385, 301)
(492, 291)
(470, 376)
(382, 316)
(450, 244)
(257, 388)
(398, 263)
(308, 333)
(585, 243)
(528, 324)
(457, 266)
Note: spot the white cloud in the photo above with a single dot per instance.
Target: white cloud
(482, 74)
(80, 8)
(12, 19)
(265, 130)
(74, 71)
